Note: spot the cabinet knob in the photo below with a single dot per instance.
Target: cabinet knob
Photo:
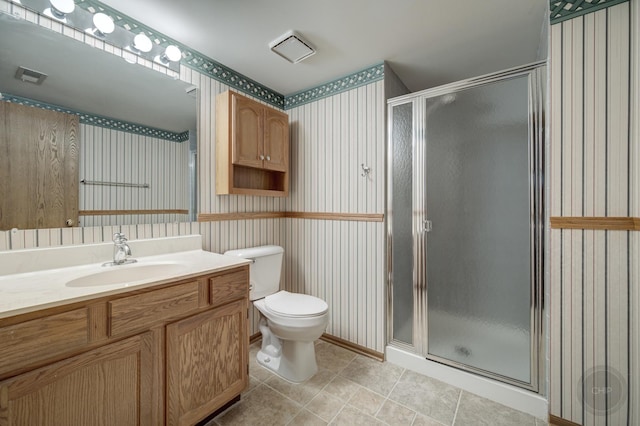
(262, 157)
(268, 158)
(69, 222)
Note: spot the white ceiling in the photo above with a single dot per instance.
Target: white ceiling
(426, 42)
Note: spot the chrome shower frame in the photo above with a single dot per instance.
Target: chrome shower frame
(537, 78)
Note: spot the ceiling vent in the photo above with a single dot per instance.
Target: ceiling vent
(30, 76)
(292, 47)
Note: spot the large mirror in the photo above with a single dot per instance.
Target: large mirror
(136, 133)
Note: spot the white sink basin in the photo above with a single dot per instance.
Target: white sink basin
(129, 273)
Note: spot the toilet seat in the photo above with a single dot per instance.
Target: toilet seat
(295, 305)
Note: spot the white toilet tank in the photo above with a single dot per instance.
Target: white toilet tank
(264, 271)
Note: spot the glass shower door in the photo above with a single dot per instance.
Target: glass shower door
(478, 228)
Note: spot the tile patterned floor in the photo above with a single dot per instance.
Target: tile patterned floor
(351, 389)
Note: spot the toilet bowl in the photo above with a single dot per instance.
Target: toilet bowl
(289, 322)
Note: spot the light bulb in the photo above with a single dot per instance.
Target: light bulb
(142, 43)
(59, 9)
(173, 53)
(103, 24)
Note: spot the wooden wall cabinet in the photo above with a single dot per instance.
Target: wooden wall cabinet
(252, 147)
(170, 354)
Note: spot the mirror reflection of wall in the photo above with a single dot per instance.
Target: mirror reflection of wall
(136, 125)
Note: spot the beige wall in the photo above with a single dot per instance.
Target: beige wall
(591, 175)
(109, 155)
(340, 261)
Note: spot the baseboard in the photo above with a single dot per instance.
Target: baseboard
(338, 342)
(559, 421)
(352, 347)
(255, 338)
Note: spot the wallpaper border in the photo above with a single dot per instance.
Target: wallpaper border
(100, 121)
(562, 10)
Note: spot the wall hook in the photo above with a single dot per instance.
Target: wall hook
(366, 170)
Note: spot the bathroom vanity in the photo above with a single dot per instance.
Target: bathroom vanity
(170, 349)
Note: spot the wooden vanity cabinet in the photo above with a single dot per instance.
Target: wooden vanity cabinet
(252, 147)
(170, 354)
(110, 385)
(207, 353)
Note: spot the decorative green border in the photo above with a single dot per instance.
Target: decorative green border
(97, 120)
(190, 58)
(561, 10)
(357, 79)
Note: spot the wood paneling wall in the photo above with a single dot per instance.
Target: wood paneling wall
(591, 174)
(340, 261)
(115, 156)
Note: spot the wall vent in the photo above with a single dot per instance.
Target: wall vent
(30, 76)
(292, 47)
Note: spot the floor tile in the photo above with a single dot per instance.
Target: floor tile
(307, 418)
(325, 406)
(427, 396)
(342, 388)
(421, 420)
(332, 357)
(253, 382)
(395, 414)
(477, 411)
(263, 406)
(351, 389)
(377, 376)
(301, 392)
(350, 416)
(367, 401)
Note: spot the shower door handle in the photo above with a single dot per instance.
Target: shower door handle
(427, 225)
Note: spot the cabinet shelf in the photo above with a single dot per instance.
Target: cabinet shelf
(252, 147)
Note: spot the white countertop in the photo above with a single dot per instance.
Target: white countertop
(31, 291)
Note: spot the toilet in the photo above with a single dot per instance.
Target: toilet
(290, 323)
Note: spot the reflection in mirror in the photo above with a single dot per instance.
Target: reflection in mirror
(135, 138)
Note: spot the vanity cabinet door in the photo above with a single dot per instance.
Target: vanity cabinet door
(207, 362)
(108, 386)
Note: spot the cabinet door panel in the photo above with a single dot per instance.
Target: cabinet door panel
(276, 141)
(207, 362)
(230, 286)
(107, 386)
(247, 132)
(61, 334)
(141, 311)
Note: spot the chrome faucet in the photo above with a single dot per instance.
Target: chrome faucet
(121, 250)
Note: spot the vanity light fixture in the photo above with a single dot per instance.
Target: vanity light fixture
(102, 25)
(30, 76)
(141, 44)
(60, 9)
(171, 54)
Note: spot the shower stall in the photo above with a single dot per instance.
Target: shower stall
(466, 225)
